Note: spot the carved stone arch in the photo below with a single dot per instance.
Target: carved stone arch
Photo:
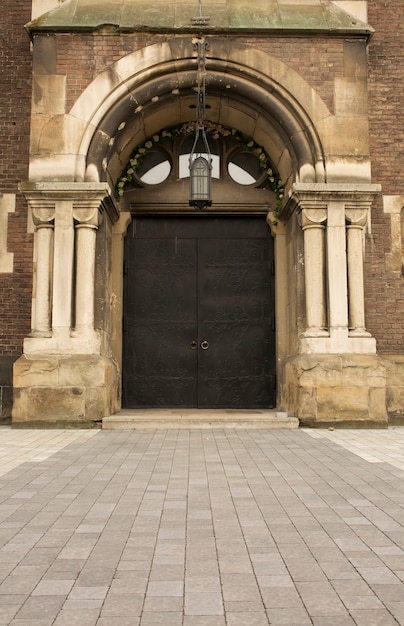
(274, 105)
(255, 103)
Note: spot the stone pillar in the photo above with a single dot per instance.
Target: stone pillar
(336, 378)
(63, 261)
(41, 315)
(118, 234)
(281, 297)
(86, 228)
(337, 271)
(66, 375)
(356, 222)
(313, 224)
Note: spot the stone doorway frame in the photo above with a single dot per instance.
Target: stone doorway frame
(267, 101)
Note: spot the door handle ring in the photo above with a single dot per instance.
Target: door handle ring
(204, 344)
(194, 345)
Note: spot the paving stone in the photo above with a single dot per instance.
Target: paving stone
(169, 619)
(115, 621)
(205, 620)
(172, 588)
(48, 587)
(247, 619)
(206, 603)
(41, 608)
(7, 612)
(244, 606)
(373, 617)
(163, 604)
(335, 620)
(123, 606)
(295, 616)
(78, 618)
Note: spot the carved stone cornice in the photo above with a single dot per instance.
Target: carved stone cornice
(89, 196)
(318, 195)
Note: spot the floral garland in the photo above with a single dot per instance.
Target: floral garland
(216, 131)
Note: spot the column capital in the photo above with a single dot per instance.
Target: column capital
(313, 217)
(357, 217)
(86, 214)
(42, 216)
(317, 195)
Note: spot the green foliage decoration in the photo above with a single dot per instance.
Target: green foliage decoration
(216, 131)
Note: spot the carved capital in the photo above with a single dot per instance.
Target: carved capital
(42, 216)
(356, 217)
(313, 218)
(86, 213)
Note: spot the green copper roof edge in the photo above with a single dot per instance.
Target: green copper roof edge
(72, 16)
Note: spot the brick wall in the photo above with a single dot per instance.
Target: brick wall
(385, 287)
(15, 103)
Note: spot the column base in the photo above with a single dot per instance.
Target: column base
(64, 391)
(340, 390)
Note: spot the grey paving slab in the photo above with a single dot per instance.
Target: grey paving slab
(201, 528)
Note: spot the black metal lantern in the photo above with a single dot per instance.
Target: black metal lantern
(200, 161)
(200, 187)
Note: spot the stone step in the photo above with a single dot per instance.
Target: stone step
(156, 419)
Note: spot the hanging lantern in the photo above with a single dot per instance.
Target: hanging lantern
(200, 188)
(200, 161)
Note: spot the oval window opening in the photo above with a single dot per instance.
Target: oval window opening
(154, 169)
(244, 168)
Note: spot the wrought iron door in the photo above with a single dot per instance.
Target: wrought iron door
(198, 313)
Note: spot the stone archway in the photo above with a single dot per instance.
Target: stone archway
(140, 94)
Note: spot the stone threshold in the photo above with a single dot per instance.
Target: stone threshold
(156, 419)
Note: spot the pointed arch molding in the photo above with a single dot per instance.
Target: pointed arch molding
(274, 105)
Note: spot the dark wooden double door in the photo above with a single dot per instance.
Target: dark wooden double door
(198, 313)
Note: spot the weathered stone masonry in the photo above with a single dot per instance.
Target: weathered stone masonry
(340, 345)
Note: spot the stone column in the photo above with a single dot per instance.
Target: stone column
(337, 270)
(86, 219)
(63, 282)
(63, 269)
(118, 234)
(313, 224)
(356, 222)
(44, 224)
